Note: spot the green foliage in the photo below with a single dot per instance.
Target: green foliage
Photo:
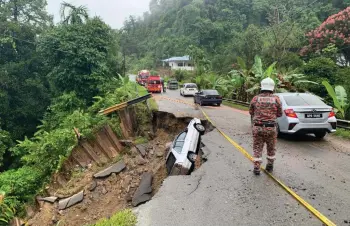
(5, 143)
(79, 64)
(340, 98)
(122, 218)
(180, 75)
(76, 15)
(343, 133)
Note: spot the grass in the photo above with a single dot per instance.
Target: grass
(343, 133)
(140, 140)
(142, 90)
(237, 106)
(153, 105)
(122, 218)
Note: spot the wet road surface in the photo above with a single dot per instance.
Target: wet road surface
(225, 192)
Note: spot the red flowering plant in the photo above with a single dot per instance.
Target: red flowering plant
(335, 30)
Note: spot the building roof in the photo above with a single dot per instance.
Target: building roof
(172, 59)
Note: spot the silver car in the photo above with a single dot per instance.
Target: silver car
(305, 113)
(184, 149)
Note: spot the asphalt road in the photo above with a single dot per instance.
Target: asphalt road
(224, 190)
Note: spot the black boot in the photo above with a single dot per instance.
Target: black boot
(256, 171)
(269, 167)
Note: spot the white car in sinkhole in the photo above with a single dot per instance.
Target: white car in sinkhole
(183, 152)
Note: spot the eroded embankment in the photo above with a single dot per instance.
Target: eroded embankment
(142, 175)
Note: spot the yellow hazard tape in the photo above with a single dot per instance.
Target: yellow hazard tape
(319, 215)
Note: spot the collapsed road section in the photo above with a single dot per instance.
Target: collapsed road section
(125, 173)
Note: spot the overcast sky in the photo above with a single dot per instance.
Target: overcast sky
(113, 12)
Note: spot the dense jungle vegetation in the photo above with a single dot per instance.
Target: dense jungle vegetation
(57, 77)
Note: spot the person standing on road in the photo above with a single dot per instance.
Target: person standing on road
(265, 108)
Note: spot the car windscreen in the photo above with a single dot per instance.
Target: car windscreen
(210, 92)
(154, 82)
(179, 142)
(303, 100)
(191, 86)
(173, 82)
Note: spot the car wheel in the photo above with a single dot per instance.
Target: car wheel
(320, 135)
(200, 103)
(192, 157)
(194, 100)
(200, 128)
(219, 105)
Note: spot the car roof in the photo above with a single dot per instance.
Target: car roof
(190, 84)
(293, 94)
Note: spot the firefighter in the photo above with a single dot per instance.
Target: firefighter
(265, 108)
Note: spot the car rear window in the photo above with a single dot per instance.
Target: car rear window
(303, 100)
(193, 86)
(210, 92)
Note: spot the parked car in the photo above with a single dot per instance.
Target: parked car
(182, 155)
(173, 84)
(208, 97)
(305, 113)
(189, 89)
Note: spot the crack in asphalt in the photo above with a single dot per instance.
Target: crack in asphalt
(197, 186)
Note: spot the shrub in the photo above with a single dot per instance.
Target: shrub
(123, 218)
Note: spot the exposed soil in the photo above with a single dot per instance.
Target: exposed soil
(114, 193)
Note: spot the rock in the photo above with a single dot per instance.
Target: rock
(51, 199)
(140, 160)
(68, 202)
(54, 219)
(116, 168)
(143, 192)
(159, 154)
(104, 190)
(127, 143)
(141, 149)
(93, 185)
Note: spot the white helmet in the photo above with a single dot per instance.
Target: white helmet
(267, 84)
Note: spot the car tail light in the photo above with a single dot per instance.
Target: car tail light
(291, 126)
(220, 97)
(331, 114)
(290, 113)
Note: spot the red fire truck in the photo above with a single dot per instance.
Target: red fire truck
(154, 84)
(142, 77)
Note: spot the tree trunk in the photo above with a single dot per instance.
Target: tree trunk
(15, 11)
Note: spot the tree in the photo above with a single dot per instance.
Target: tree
(75, 15)
(335, 30)
(77, 55)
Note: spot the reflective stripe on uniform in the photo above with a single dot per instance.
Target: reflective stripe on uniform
(271, 157)
(257, 159)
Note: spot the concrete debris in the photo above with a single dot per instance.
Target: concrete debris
(140, 161)
(68, 202)
(116, 168)
(51, 199)
(142, 149)
(143, 192)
